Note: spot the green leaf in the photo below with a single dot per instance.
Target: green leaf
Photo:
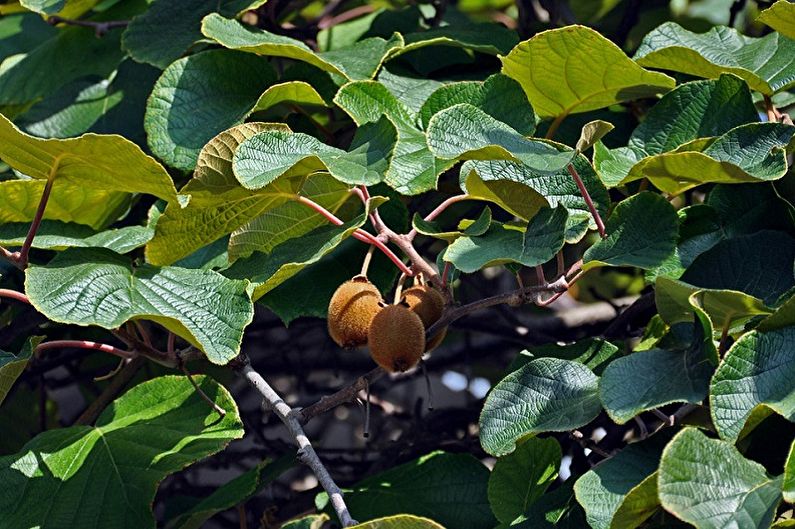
(105, 163)
(266, 156)
(410, 90)
(646, 380)
(762, 157)
(641, 232)
(451, 488)
(63, 59)
(709, 484)
(466, 228)
(401, 521)
(55, 235)
(594, 353)
(592, 132)
(503, 243)
(757, 370)
(108, 474)
(180, 120)
(603, 76)
(358, 61)
(63, 8)
(557, 510)
(414, 168)
(781, 17)
(788, 485)
(11, 365)
(19, 200)
(105, 106)
(766, 63)
(292, 219)
(523, 191)
(99, 287)
(730, 309)
(464, 132)
(166, 30)
(519, 479)
(498, 96)
(295, 92)
(698, 109)
(232, 493)
(267, 271)
(545, 395)
(218, 203)
(759, 265)
(622, 490)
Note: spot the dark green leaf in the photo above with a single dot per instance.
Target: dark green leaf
(107, 474)
(545, 395)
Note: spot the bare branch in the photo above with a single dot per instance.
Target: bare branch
(346, 394)
(306, 454)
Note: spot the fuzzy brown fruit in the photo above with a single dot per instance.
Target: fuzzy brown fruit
(428, 304)
(350, 311)
(396, 338)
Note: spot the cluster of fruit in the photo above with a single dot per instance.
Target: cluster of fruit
(395, 334)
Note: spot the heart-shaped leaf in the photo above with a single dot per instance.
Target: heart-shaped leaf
(11, 365)
(604, 74)
(98, 287)
(108, 474)
(756, 371)
(544, 395)
(709, 484)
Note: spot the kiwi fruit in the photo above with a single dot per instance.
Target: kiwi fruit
(427, 303)
(350, 311)
(396, 338)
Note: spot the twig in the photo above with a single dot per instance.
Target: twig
(306, 454)
(216, 408)
(100, 28)
(346, 394)
(356, 12)
(85, 344)
(8, 255)
(584, 442)
(112, 391)
(585, 195)
(22, 258)
(13, 294)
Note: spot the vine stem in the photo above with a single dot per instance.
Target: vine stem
(588, 201)
(13, 294)
(553, 127)
(359, 234)
(438, 211)
(21, 258)
(306, 453)
(85, 344)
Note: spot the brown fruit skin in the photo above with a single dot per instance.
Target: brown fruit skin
(396, 338)
(428, 304)
(350, 311)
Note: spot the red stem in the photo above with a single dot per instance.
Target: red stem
(13, 294)
(359, 234)
(439, 210)
(599, 224)
(85, 344)
(22, 259)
